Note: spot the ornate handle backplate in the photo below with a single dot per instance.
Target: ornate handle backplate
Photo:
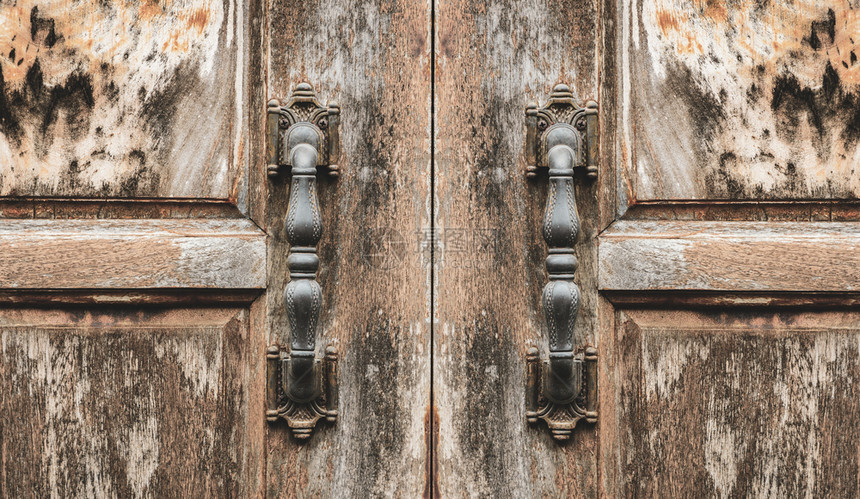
(302, 136)
(561, 138)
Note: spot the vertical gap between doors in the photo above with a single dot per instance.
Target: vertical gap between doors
(433, 432)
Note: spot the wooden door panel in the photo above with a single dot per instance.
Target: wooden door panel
(730, 100)
(145, 99)
(130, 214)
(736, 401)
(125, 401)
(373, 58)
(493, 59)
(728, 280)
(763, 257)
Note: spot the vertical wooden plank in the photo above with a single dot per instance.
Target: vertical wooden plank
(258, 188)
(607, 180)
(610, 358)
(492, 59)
(373, 58)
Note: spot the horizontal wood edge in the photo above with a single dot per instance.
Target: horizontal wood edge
(225, 254)
(721, 299)
(759, 257)
(171, 297)
(107, 208)
(721, 209)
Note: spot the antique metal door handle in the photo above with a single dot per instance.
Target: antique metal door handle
(302, 136)
(561, 138)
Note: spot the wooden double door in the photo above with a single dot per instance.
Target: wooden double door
(143, 254)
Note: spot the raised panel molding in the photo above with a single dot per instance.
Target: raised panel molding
(132, 254)
(125, 99)
(733, 402)
(130, 402)
(730, 256)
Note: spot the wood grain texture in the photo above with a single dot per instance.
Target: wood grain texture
(738, 100)
(106, 99)
(493, 58)
(752, 210)
(124, 402)
(131, 254)
(728, 332)
(372, 57)
(117, 208)
(735, 403)
(730, 256)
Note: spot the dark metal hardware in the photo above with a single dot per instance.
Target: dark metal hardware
(302, 136)
(561, 138)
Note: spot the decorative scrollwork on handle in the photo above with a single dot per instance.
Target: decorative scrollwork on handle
(302, 136)
(561, 138)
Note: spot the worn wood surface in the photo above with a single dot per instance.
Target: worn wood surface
(106, 99)
(114, 208)
(728, 324)
(493, 58)
(728, 403)
(147, 380)
(373, 58)
(738, 100)
(727, 210)
(124, 402)
(730, 256)
(130, 254)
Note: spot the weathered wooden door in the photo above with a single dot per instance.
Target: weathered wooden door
(143, 248)
(729, 326)
(717, 251)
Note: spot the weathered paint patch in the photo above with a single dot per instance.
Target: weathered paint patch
(739, 403)
(121, 99)
(119, 410)
(741, 99)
